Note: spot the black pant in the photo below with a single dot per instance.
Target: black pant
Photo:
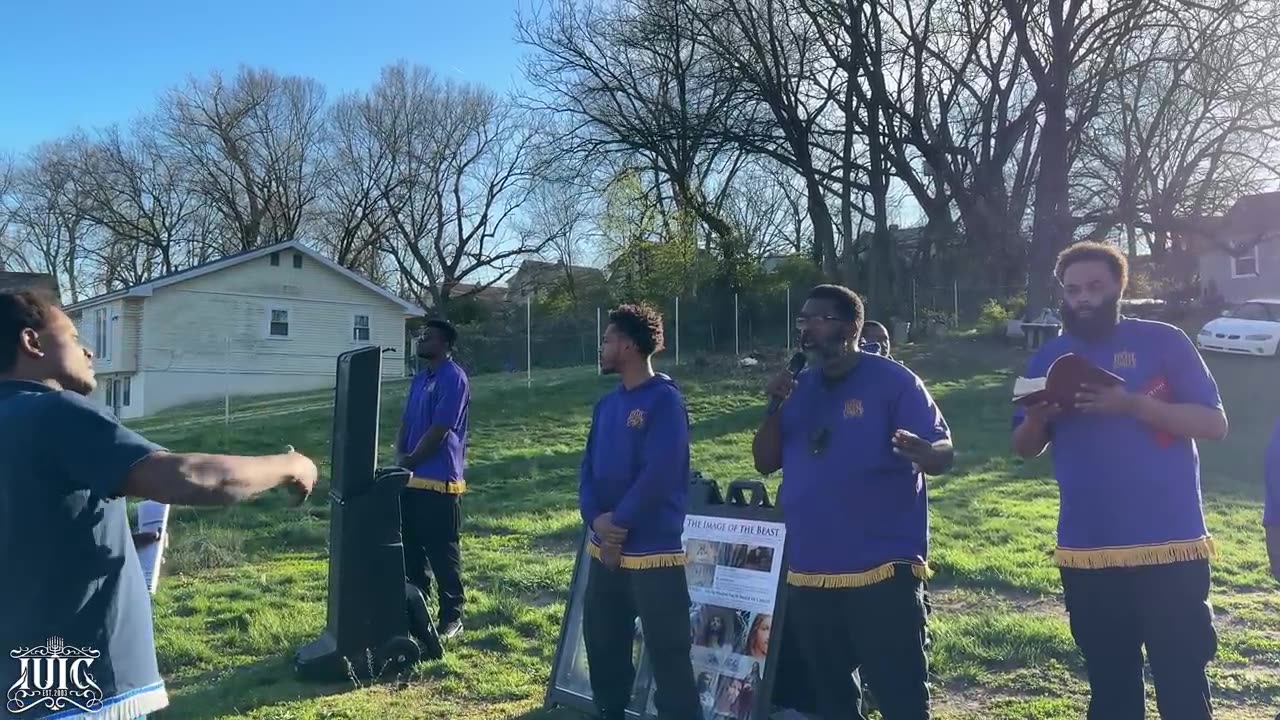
(880, 630)
(432, 522)
(660, 598)
(1116, 611)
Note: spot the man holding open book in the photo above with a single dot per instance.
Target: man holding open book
(1133, 547)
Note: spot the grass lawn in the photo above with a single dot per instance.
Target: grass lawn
(244, 587)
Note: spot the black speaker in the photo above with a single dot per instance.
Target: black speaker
(357, 399)
(373, 613)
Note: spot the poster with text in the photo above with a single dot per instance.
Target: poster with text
(733, 567)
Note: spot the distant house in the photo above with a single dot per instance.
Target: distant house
(1238, 254)
(538, 276)
(39, 282)
(268, 320)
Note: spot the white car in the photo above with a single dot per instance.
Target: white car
(1253, 328)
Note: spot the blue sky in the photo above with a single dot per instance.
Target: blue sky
(91, 63)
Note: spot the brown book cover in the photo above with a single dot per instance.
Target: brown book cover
(1066, 376)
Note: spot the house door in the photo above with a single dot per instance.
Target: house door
(114, 397)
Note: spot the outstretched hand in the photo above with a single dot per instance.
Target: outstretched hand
(302, 475)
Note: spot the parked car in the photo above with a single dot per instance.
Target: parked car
(1252, 328)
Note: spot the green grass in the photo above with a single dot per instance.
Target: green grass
(245, 586)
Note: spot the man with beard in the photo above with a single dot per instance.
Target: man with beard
(633, 491)
(854, 437)
(66, 551)
(1133, 549)
(433, 445)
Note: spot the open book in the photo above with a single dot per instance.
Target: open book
(1066, 376)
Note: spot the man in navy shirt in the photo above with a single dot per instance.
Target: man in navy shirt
(67, 555)
(433, 446)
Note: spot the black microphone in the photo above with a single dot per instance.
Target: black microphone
(794, 367)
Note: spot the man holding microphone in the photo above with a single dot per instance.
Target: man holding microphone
(854, 437)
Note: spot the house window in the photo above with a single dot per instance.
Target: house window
(275, 259)
(111, 395)
(360, 328)
(279, 325)
(126, 391)
(1245, 264)
(101, 335)
(297, 260)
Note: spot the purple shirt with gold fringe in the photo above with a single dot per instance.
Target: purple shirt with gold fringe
(438, 397)
(1271, 479)
(636, 466)
(1130, 494)
(853, 508)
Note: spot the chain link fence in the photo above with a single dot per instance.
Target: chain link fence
(521, 338)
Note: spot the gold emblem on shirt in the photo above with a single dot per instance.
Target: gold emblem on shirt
(853, 408)
(636, 419)
(1125, 360)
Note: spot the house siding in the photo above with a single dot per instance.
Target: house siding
(208, 336)
(122, 324)
(1215, 267)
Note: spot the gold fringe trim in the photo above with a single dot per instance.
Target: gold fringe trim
(644, 562)
(854, 580)
(1137, 555)
(447, 487)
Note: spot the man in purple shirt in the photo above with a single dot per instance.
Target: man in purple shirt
(432, 444)
(1271, 511)
(854, 437)
(633, 490)
(1133, 549)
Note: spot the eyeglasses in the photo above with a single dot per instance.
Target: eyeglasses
(803, 321)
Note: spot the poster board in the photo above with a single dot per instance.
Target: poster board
(735, 559)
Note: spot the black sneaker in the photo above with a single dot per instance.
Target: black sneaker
(449, 630)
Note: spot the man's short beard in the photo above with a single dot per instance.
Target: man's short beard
(1098, 325)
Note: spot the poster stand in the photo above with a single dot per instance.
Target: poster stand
(735, 547)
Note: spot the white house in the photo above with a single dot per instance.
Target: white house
(269, 320)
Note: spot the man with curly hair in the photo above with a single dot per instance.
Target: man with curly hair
(632, 491)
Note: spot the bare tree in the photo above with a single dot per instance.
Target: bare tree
(1189, 128)
(461, 168)
(46, 216)
(139, 192)
(772, 48)
(252, 146)
(11, 256)
(638, 85)
(1070, 48)
(351, 218)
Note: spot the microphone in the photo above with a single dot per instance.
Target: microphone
(794, 367)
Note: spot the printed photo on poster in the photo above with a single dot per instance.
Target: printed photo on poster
(734, 569)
